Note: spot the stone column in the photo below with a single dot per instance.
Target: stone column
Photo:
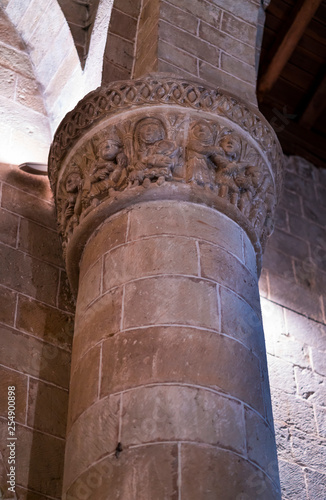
(165, 196)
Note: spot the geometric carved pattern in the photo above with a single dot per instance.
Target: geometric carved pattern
(131, 136)
(158, 90)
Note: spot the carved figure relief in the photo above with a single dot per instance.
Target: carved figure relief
(108, 172)
(156, 156)
(201, 153)
(70, 207)
(229, 167)
(150, 151)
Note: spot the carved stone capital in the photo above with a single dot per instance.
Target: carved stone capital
(163, 138)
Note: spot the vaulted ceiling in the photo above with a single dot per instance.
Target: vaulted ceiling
(292, 72)
(292, 78)
(80, 15)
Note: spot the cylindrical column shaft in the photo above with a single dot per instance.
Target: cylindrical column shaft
(169, 394)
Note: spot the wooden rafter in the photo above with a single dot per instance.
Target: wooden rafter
(285, 47)
(315, 106)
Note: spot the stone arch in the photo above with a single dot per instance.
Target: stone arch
(44, 29)
(25, 128)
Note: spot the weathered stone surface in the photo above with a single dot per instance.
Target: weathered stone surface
(311, 386)
(47, 408)
(303, 329)
(142, 356)
(319, 361)
(308, 449)
(66, 301)
(292, 480)
(47, 323)
(34, 357)
(222, 475)
(249, 255)
(39, 462)
(321, 421)
(84, 384)
(294, 411)
(238, 29)
(40, 242)
(261, 443)
(112, 234)
(90, 287)
(170, 413)
(241, 322)
(185, 219)
(33, 277)
(171, 300)
(226, 270)
(281, 375)
(316, 484)
(94, 435)
(189, 43)
(155, 475)
(8, 227)
(150, 257)
(100, 321)
(19, 381)
(310, 306)
(7, 306)
(176, 272)
(27, 205)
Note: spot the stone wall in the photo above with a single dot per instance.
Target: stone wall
(214, 41)
(293, 288)
(24, 127)
(36, 324)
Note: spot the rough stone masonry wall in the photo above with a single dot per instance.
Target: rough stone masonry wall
(293, 290)
(24, 126)
(36, 325)
(211, 40)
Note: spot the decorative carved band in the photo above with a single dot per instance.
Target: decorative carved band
(158, 90)
(132, 140)
(166, 147)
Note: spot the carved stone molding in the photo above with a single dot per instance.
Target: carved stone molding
(163, 138)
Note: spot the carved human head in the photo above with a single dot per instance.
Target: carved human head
(73, 180)
(109, 147)
(203, 132)
(231, 145)
(150, 130)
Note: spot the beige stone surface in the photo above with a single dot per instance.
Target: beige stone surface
(241, 322)
(142, 357)
(112, 234)
(84, 384)
(154, 475)
(92, 286)
(177, 413)
(7, 306)
(221, 474)
(185, 219)
(24, 273)
(19, 381)
(94, 435)
(226, 270)
(47, 408)
(150, 257)
(38, 465)
(100, 321)
(45, 322)
(171, 300)
(32, 356)
(261, 443)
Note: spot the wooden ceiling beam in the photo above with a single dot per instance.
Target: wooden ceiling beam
(315, 106)
(284, 48)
